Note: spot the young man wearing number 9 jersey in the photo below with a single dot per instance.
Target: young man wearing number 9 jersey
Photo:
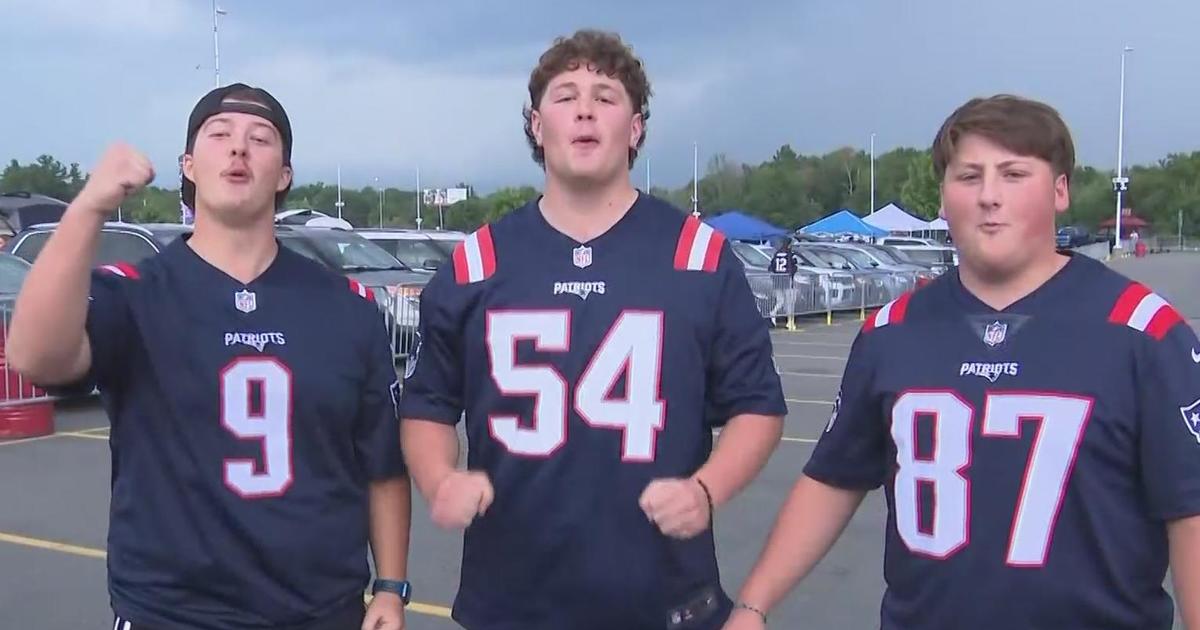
(252, 395)
(1034, 419)
(594, 338)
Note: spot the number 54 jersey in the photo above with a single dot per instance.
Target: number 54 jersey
(587, 371)
(1031, 456)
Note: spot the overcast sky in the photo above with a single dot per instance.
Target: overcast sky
(383, 87)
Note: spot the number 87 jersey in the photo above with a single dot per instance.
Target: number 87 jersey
(1030, 456)
(587, 371)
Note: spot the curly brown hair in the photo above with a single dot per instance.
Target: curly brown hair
(599, 50)
(1021, 125)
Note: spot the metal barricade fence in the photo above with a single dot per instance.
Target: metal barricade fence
(25, 410)
(778, 295)
(401, 308)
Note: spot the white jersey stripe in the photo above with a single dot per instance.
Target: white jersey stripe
(474, 259)
(704, 233)
(1145, 311)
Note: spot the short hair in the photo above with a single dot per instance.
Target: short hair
(602, 51)
(1023, 126)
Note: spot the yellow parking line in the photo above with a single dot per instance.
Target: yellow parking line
(80, 434)
(89, 552)
(75, 550)
(94, 430)
(28, 440)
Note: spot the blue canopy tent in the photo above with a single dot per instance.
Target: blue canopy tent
(738, 226)
(842, 222)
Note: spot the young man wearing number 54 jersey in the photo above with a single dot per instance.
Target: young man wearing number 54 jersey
(594, 338)
(1034, 418)
(252, 396)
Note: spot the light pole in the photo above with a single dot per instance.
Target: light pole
(695, 179)
(380, 203)
(872, 208)
(1120, 182)
(216, 11)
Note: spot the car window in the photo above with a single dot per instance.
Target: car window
(414, 253)
(12, 274)
(352, 252)
(858, 258)
(114, 247)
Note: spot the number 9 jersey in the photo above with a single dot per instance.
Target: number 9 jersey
(585, 372)
(247, 422)
(1030, 456)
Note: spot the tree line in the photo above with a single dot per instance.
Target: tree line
(788, 190)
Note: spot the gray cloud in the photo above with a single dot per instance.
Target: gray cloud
(381, 87)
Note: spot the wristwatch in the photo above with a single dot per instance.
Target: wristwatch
(401, 588)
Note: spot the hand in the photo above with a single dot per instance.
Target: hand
(679, 507)
(460, 497)
(386, 612)
(122, 171)
(743, 619)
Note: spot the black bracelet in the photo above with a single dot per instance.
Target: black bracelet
(745, 606)
(708, 497)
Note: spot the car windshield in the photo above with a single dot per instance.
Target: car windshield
(831, 259)
(752, 256)
(887, 256)
(859, 258)
(351, 252)
(413, 252)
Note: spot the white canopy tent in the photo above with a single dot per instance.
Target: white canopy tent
(893, 218)
(938, 224)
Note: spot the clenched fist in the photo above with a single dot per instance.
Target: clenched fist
(460, 497)
(678, 507)
(122, 171)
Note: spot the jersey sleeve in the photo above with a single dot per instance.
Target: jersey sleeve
(433, 387)
(109, 327)
(1169, 417)
(377, 430)
(742, 375)
(852, 452)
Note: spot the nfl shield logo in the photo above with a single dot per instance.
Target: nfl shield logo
(244, 301)
(993, 335)
(1191, 418)
(582, 256)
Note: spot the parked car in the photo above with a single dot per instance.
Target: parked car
(922, 249)
(1070, 236)
(395, 286)
(411, 247)
(446, 240)
(12, 275)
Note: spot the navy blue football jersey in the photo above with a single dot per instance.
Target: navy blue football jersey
(1030, 456)
(585, 372)
(247, 423)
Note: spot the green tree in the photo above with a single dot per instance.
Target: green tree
(921, 193)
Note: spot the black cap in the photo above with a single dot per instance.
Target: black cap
(241, 98)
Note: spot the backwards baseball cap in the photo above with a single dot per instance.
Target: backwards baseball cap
(240, 98)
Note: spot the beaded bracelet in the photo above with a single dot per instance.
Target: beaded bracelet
(745, 606)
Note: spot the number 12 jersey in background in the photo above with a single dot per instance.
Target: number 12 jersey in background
(587, 371)
(1031, 456)
(247, 421)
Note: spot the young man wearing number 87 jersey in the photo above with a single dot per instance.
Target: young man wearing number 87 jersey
(594, 338)
(252, 396)
(1034, 418)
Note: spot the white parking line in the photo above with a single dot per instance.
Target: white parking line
(806, 401)
(801, 440)
(809, 356)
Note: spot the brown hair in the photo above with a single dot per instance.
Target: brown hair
(597, 50)
(1023, 126)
